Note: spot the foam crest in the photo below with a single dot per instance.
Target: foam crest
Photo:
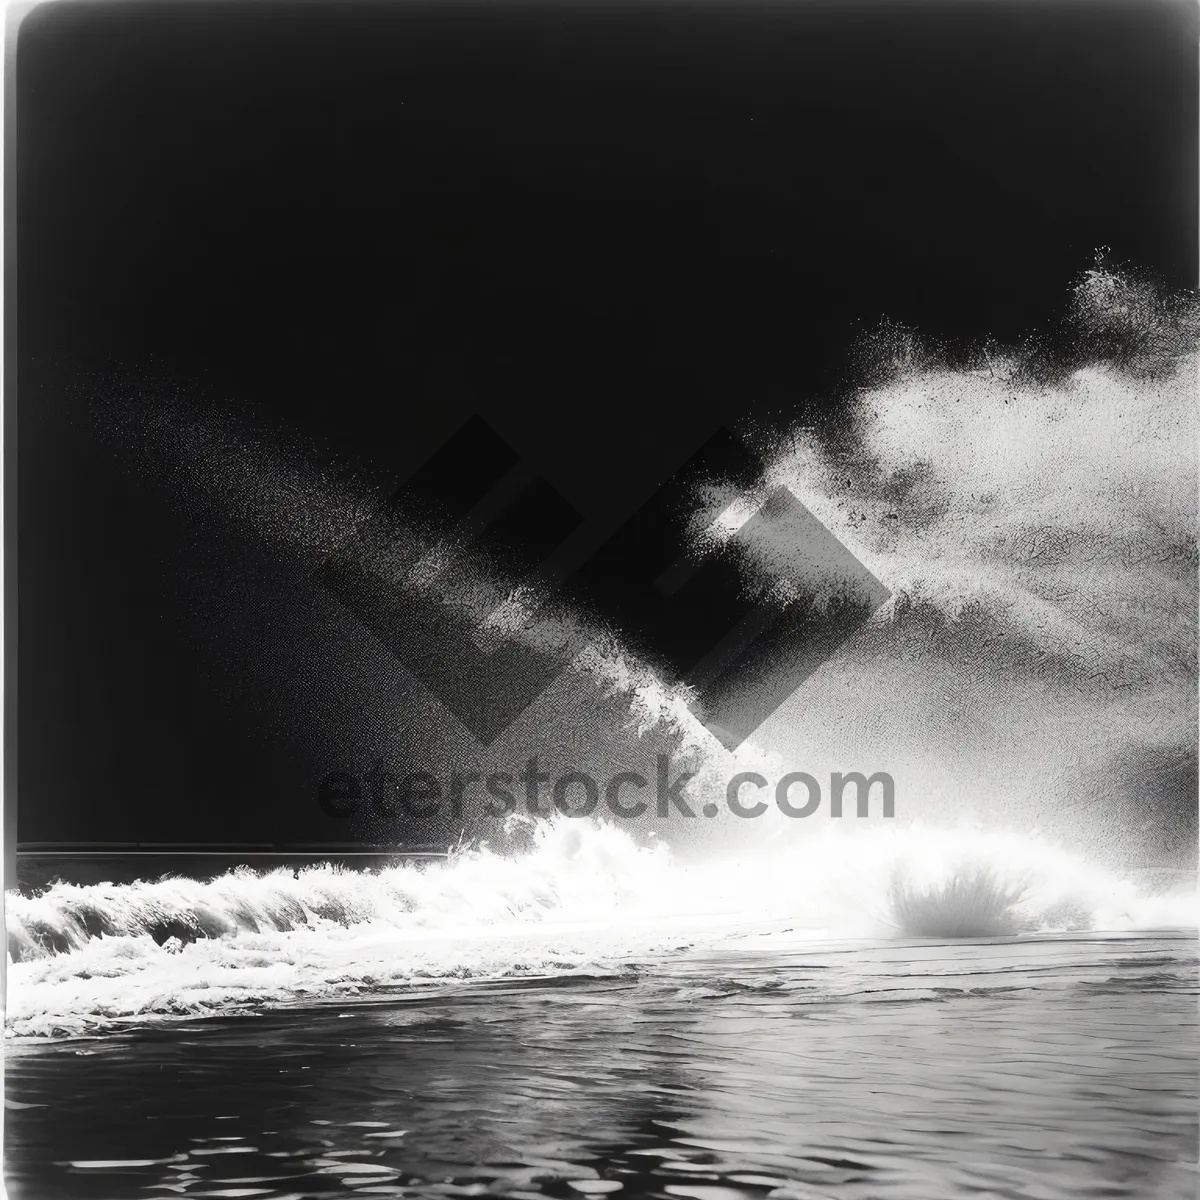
(581, 898)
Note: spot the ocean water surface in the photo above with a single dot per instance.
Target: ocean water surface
(1033, 1067)
(595, 1018)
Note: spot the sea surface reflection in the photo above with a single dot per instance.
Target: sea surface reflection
(1017, 1067)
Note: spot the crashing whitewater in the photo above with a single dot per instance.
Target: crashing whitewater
(584, 898)
(1033, 515)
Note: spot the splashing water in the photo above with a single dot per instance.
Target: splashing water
(1034, 515)
(585, 898)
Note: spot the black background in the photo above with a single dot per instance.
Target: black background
(629, 222)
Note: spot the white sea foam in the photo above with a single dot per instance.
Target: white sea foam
(585, 899)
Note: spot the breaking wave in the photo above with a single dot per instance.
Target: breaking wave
(1033, 514)
(583, 898)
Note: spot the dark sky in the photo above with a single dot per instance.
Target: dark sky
(608, 227)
